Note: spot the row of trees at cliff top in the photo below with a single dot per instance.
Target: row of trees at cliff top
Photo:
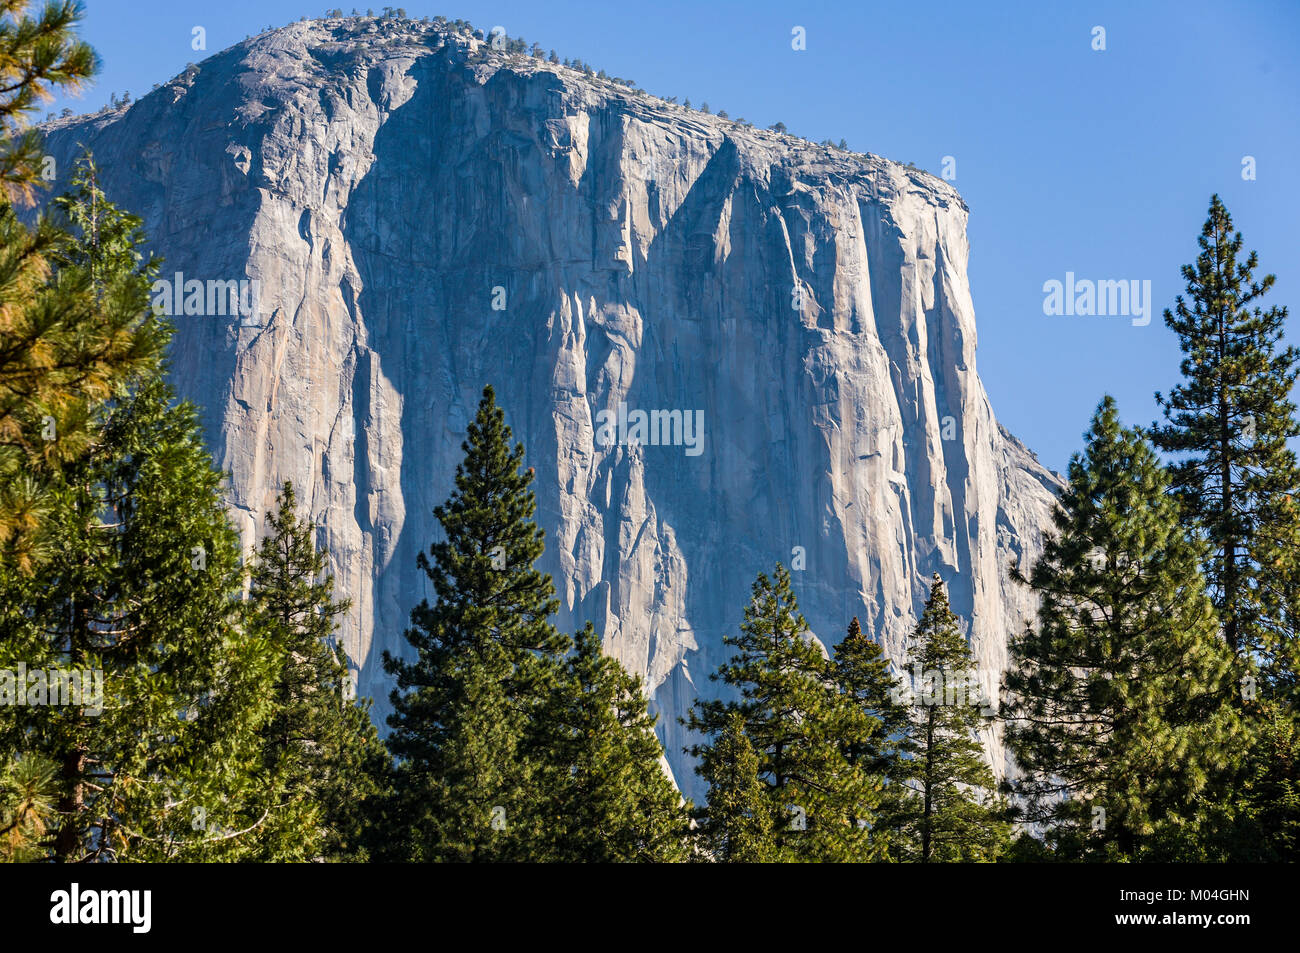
(1150, 707)
(496, 38)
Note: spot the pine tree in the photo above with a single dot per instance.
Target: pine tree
(953, 814)
(360, 783)
(319, 747)
(74, 329)
(39, 55)
(1228, 424)
(1116, 705)
(1252, 815)
(875, 740)
(737, 826)
(155, 753)
(164, 765)
(485, 658)
(61, 349)
(795, 717)
(1268, 800)
(605, 795)
(28, 789)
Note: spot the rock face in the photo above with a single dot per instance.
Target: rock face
(423, 216)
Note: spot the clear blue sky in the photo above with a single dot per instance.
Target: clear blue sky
(1099, 163)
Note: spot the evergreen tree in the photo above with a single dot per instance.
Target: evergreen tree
(953, 815)
(138, 599)
(486, 657)
(39, 55)
(509, 745)
(1115, 703)
(1267, 806)
(28, 788)
(875, 741)
(155, 752)
(73, 331)
(605, 794)
(320, 750)
(61, 349)
(738, 824)
(1228, 425)
(795, 716)
(1253, 815)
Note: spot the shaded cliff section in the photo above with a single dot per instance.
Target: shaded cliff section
(386, 186)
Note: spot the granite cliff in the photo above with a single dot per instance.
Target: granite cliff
(415, 215)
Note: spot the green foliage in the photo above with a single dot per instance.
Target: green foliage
(1251, 815)
(27, 806)
(75, 328)
(205, 729)
(738, 826)
(136, 586)
(140, 590)
(1117, 701)
(1267, 814)
(485, 655)
(796, 718)
(1228, 425)
(953, 814)
(606, 796)
(319, 749)
(874, 738)
(39, 55)
(514, 742)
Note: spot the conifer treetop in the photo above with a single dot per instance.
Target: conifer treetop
(39, 55)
